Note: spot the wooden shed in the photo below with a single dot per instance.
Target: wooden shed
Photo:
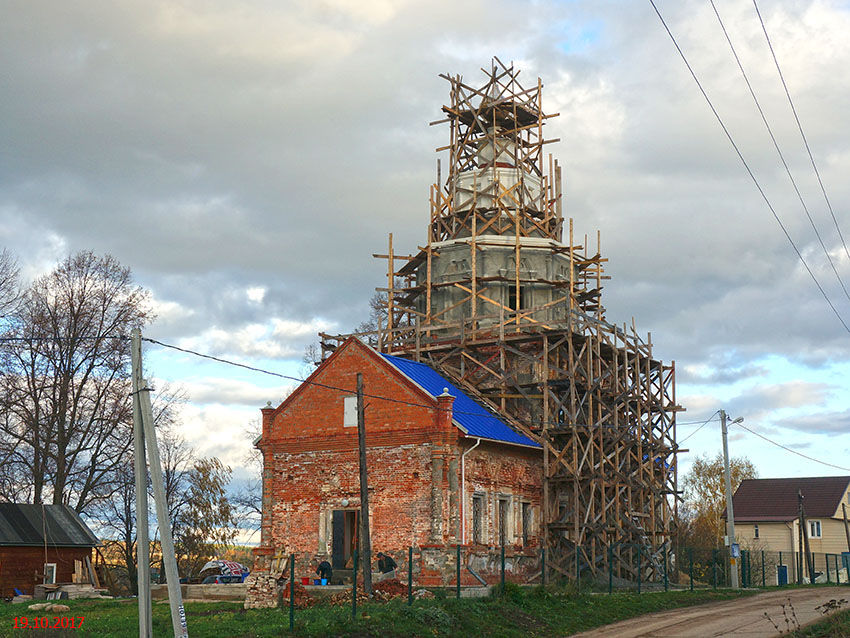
(40, 544)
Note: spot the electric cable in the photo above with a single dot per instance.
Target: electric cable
(779, 152)
(788, 449)
(800, 128)
(747, 167)
(346, 390)
(704, 423)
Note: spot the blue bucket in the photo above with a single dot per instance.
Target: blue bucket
(324, 581)
(316, 581)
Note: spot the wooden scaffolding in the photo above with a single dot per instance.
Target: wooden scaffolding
(588, 391)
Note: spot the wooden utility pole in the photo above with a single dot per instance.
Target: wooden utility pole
(365, 540)
(805, 537)
(846, 526)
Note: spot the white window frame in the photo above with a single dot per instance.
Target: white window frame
(349, 412)
(50, 568)
(755, 531)
(815, 526)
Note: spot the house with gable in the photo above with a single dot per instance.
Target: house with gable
(442, 470)
(767, 517)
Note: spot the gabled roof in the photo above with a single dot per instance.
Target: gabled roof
(25, 525)
(776, 499)
(471, 417)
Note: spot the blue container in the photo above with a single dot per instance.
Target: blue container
(316, 581)
(324, 581)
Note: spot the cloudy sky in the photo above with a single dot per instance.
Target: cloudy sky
(246, 159)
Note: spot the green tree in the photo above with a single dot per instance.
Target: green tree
(701, 523)
(207, 518)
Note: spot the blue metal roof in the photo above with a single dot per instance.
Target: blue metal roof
(473, 418)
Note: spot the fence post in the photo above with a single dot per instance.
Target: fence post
(409, 576)
(639, 574)
(691, 565)
(610, 569)
(714, 566)
(458, 571)
(666, 582)
(811, 563)
(763, 582)
(503, 569)
(354, 589)
(542, 565)
(826, 560)
(291, 592)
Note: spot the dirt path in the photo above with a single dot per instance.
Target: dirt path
(741, 617)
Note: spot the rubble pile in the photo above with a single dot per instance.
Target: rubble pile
(262, 591)
(302, 598)
(389, 589)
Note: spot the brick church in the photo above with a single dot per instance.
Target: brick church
(443, 470)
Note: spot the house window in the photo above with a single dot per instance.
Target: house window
(349, 418)
(49, 573)
(502, 509)
(526, 522)
(755, 531)
(814, 529)
(478, 519)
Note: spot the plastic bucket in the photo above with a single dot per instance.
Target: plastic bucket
(324, 581)
(305, 581)
(317, 582)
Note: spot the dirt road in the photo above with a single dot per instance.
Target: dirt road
(741, 617)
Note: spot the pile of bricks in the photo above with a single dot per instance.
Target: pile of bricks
(262, 591)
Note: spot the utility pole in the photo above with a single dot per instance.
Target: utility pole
(730, 514)
(142, 410)
(809, 562)
(365, 540)
(846, 526)
(143, 563)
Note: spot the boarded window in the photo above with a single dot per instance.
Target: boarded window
(503, 520)
(349, 419)
(526, 522)
(478, 519)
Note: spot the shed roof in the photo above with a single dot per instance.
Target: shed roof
(776, 499)
(26, 525)
(474, 419)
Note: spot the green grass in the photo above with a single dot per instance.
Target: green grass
(836, 625)
(521, 612)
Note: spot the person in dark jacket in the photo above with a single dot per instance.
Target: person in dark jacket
(324, 570)
(387, 567)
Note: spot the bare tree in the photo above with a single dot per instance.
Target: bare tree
(9, 291)
(115, 516)
(67, 420)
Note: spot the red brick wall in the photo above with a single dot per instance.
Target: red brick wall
(23, 567)
(413, 458)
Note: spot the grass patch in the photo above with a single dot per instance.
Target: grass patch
(521, 612)
(836, 625)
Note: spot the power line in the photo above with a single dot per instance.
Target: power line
(779, 152)
(747, 167)
(704, 423)
(339, 389)
(788, 449)
(800, 127)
